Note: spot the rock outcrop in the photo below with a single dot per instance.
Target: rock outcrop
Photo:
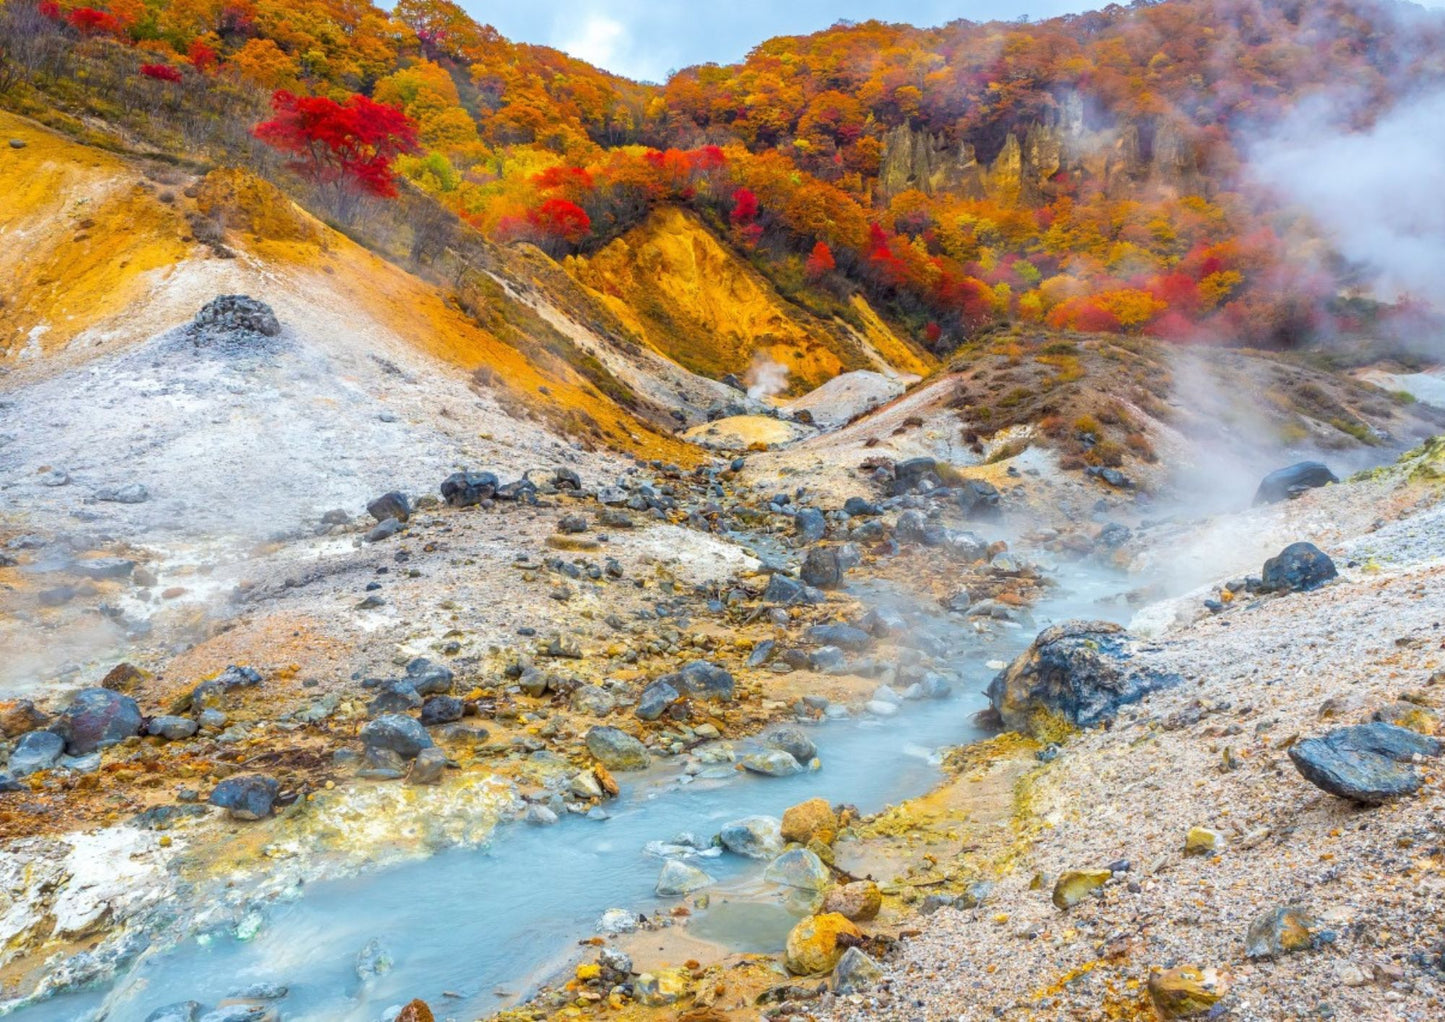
(1078, 672)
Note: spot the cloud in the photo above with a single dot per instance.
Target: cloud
(599, 40)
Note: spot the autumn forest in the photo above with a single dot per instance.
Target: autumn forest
(1086, 172)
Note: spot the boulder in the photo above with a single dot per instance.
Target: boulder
(397, 696)
(246, 796)
(771, 763)
(415, 1011)
(428, 678)
(825, 566)
(914, 474)
(594, 700)
(910, 527)
(655, 700)
(181, 1011)
(428, 766)
(842, 636)
(616, 749)
(172, 729)
(810, 525)
(1299, 567)
(678, 879)
(702, 679)
(19, 717)
(806, 821)
(855, 972)
(390, 505)
(467, 489)
(754, 837)
(1288, 483)
(38, 750)
(1366, 763)
(793, 741)
(236, 313)
(97, 718)
(978, 499)
(442, 710)
(859, 900)
(396, 733)
(1078, 671)
(814, 944)
(798, 867)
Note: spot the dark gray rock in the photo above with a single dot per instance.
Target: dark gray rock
(246, 796)
(467, 489)
(572, 524)
(702, 679)
(172, 729)
(1081, 671)
(385, 530)
(843, 636)
(910, 527)
(1287, 483)
(827, 660)
(230, 314)
(784, 591)
(566, 479)
(825, 566)
(97, 718)
(1299, 567)
(914, 474)
(398, 733)
(810, 525)
(103, 568)
(1366, 763)
(857, 506)
(978, 499)
(442, 710)
(428, 678)
(655, 700)
(38, 750)
(398, 696)
(390, 505)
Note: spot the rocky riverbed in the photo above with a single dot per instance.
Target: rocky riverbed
(1231, 804)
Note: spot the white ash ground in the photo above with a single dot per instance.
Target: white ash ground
(1256, 677)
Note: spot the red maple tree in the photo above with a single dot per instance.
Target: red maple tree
(345, 149)
(557, 221)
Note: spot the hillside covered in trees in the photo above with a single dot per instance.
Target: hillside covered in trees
(1085, 172)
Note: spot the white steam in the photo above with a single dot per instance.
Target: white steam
(766, 379)
(1377, 191)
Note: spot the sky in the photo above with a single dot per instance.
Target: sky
(645, 39)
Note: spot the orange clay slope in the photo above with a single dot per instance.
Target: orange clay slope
(94, 256)
(696, 301)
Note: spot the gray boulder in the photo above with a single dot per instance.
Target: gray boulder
(755, 837)
(98, 718)
(655, 700)
(1080, 671)
(396, 733)
(172, 729)
(390, 505)
(1299, 567)
(702, 679)
(246, 796)
(678, 879)
(38, 750)
(616, 749)
(467, 489)
(1288, 483)
(1366, 763)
